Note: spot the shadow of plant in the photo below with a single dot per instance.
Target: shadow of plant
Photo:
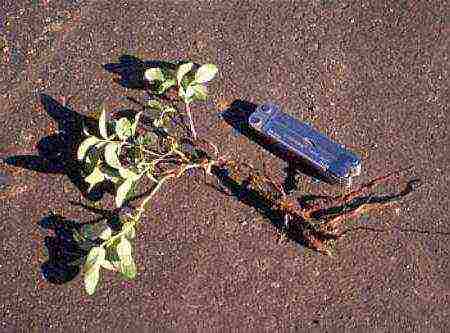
(65, 255)
(411, 186)
(57, 152)
(70, 241)
(261, 203)
(131, 70)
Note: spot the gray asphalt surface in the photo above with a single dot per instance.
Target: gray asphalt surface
(376, 74)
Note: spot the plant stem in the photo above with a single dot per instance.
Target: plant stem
(140, 210)
(157, 187)
(150, 152)
(191, 122)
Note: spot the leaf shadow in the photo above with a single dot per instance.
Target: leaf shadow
(57, 152)
(131, 69)
(67, 253)
(64, 253)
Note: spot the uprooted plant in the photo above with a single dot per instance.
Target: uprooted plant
(155, 145)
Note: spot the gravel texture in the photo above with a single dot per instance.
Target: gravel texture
(373, 75)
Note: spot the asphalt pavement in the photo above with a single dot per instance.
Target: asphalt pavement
(373, 75)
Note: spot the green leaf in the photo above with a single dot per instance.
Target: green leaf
(188, 100)
(111, 253)
(181, 92)
(101, 144)
(127, 265)
(92, 155)
(106, 234)
(95, 231)
(112, 154)
(148, 138)
(91, 278)
(143, 166)
(186, 95)
(189, 91)
(123, 190)
(158, 123)
(154, 74)
(196, 91)
(129, 230)
(123, 128)
(111, 174)
(95, 177)
(166, 115)
(183, 70)
(205, 73)
(170, 111)
(124, 249)
(166, 85)
(95, 257)
(200, 92)
(85, 129)
(128, 269)
(154, 104)
(108, 265)
(102, 123)
(128, 173)
(150, 172)
(85, 145)
(135, 123)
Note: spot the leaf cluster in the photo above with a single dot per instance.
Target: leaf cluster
(153, 145)
(189, 80)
